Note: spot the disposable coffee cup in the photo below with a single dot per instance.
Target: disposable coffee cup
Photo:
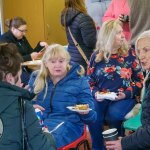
(110, 134)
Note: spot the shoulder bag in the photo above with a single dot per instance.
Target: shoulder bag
(78, 47)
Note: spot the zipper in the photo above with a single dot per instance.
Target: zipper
(51, 97)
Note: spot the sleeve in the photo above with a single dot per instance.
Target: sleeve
(29, 49)
(85, 97)
(138, 140)
(109, 12)
(137, 78)
(36, 137)
(32, 80)
(31, 85)
(27, 57)
(38, 47)
(91, 74)
(88, 31)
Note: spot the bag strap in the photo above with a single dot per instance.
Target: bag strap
(78, 46)
(24, 132)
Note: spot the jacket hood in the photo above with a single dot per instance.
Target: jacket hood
(72, 73)
(12, 90)
(69, 16)
(10, 93)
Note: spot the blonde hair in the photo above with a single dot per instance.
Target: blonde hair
(145, 34)
(54, 51)
(105, 41)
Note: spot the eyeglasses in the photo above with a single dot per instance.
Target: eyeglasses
(23, 31)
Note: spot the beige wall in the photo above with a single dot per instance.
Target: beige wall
(39, 18)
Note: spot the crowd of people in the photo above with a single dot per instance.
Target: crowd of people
(64, 80)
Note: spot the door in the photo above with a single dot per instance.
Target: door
(54, 32)
(32, 12)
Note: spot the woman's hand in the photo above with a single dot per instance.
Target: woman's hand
(35, 55)
(99, 100)
(84, 113)
(120, 96)
(44, 44)
(39, 107)
(116, 145)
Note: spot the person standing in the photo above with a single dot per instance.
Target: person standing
(119, 9)
(113, 68)
(75, 16)
(139, 18)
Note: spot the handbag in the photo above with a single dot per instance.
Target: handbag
(78, 47)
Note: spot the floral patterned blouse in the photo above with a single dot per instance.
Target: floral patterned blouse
(121, 73)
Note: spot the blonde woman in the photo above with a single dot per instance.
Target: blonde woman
(59, 85)
(113, 68)
(75, 16)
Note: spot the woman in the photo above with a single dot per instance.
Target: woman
(16, 34)
(75, 16)
(119, 9)
(113, 68)
(140, 138)
(57, 86)
(18, 121)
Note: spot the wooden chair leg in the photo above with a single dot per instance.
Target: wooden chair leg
(85, 143)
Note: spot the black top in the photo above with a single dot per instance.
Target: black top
(83, 30)
(23, 45)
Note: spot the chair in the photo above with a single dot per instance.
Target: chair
(134, 122)
(75, 145)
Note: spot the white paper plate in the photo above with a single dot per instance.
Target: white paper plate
(110, 96)
(72, 108)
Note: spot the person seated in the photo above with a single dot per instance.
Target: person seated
(140, 138)
(57, 85)
(16, 34)
(19, 126)
(113, 68)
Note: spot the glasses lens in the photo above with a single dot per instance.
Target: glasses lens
(23, 31)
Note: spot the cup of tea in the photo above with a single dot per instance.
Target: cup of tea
(110, 134)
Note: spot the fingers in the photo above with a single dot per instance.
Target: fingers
(39, 107)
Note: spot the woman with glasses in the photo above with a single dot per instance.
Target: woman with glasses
(16, 34)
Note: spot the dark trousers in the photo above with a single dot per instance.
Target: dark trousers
(113, 112)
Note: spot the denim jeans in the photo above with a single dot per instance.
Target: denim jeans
(113, 112)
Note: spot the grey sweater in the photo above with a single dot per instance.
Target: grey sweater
(139, 17)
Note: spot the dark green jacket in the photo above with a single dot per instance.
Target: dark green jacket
(11, 137)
